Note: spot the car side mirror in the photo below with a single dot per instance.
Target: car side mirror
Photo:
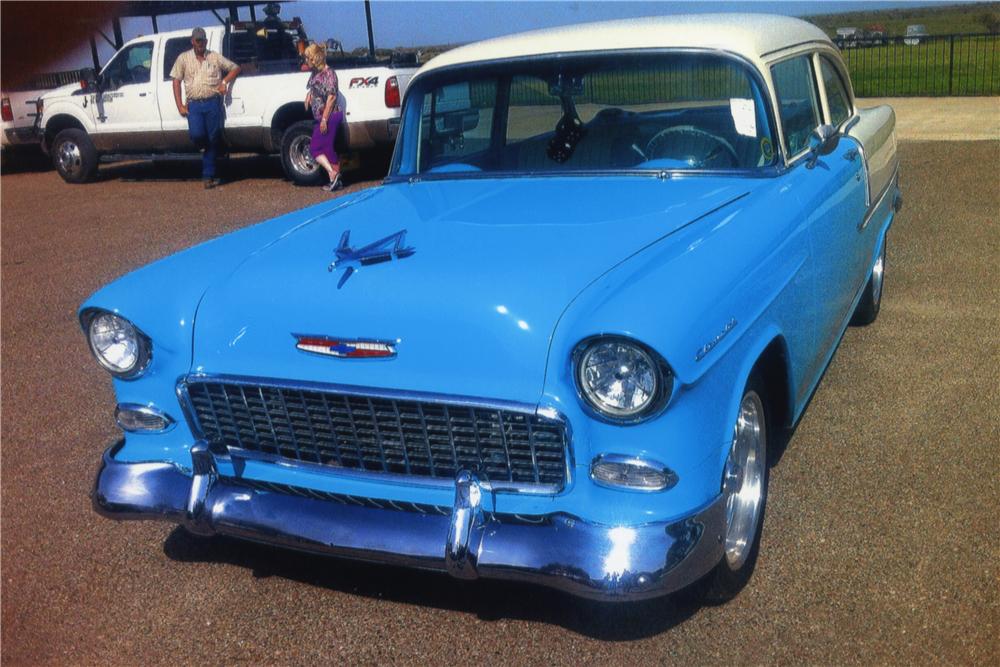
(822, 141)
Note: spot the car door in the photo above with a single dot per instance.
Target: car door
(830, 192)
(126, 109)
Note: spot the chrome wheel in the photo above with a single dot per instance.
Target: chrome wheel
(878, 272)
(300, 157)
(743, 480)
(70, 158)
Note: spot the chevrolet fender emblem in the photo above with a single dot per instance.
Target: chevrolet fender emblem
(384, 250)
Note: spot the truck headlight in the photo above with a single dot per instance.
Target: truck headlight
(117, 344)
(621, 379)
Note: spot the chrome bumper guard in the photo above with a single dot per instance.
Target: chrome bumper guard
(618, 563)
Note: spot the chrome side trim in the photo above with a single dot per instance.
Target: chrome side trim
(893, 183)
(393, 478)
(561, 551)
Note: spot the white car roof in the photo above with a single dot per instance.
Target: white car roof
(752, 36)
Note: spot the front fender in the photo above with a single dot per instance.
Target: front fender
(162, 299)
(709, 299)
(67, 108)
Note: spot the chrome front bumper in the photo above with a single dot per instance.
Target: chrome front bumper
(559, 550)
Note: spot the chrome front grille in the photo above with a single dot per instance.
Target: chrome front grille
(380, 435)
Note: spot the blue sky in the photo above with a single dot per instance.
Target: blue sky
(417, 23)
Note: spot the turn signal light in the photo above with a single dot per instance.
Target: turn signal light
(392, 93)
(627, 472)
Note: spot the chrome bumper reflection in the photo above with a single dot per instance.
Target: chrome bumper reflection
(559, 551)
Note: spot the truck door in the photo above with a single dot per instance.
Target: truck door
(175, 127)
(126, 106)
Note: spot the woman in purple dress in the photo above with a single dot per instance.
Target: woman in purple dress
(322, 101)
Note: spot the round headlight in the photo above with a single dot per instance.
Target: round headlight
(118, 346)
(621, 379)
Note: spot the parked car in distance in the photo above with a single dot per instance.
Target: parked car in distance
(559, 344)
(129, 110)
(848, 38)
(914, 34)
(876, 34)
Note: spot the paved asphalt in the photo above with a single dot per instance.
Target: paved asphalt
(880, 545)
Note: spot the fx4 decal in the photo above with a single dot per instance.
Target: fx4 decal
(363, 82)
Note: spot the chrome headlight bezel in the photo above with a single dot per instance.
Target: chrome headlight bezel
(660, 396)
(144, 346)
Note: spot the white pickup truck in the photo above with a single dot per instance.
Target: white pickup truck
(128, 111)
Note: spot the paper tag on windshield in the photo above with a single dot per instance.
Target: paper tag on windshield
(744, 116)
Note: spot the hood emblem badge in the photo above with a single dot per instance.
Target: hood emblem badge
(345, 348)
(384, 250)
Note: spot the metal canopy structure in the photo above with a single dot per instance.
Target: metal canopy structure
(155, 8)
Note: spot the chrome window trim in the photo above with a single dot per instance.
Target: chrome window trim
(544, 412)
(792, 161)
(443, 72)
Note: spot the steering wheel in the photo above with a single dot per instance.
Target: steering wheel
(690, 144)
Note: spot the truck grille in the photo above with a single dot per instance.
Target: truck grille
(381, 435)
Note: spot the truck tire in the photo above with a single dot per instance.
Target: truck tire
(298, 164)
(74, 156)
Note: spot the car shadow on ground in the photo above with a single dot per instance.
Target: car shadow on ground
(229, 170)
(488, 600)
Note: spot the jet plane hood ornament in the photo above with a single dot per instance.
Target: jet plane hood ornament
(384, 250)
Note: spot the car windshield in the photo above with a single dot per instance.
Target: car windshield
(669, 111)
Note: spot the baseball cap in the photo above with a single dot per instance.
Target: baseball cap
(198, 33)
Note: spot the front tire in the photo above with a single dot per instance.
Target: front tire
(744, 485)
(299, 166)
(74, 156)
(871, 300)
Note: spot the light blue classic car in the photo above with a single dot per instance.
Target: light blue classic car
(606, 272)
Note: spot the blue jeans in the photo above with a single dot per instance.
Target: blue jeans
(205, 120)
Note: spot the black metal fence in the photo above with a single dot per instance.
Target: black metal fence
(926, 66)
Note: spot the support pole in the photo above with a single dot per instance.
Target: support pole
(371, 33)
(116, 25)
(156, 28)
(93, 54)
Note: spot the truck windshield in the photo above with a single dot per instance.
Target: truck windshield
(683, 111)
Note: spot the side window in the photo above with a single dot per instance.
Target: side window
(173, 48)
(797, 101)
(456, 122)
(836, 92)
(131, 65)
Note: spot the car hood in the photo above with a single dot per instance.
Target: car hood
(472, 310)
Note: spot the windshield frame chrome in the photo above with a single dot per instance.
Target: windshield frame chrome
(448, 72)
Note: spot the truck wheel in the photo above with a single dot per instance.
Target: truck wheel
(299, 166)
(74, 156)
(871, 301)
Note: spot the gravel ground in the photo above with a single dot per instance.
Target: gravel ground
(880, 545)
